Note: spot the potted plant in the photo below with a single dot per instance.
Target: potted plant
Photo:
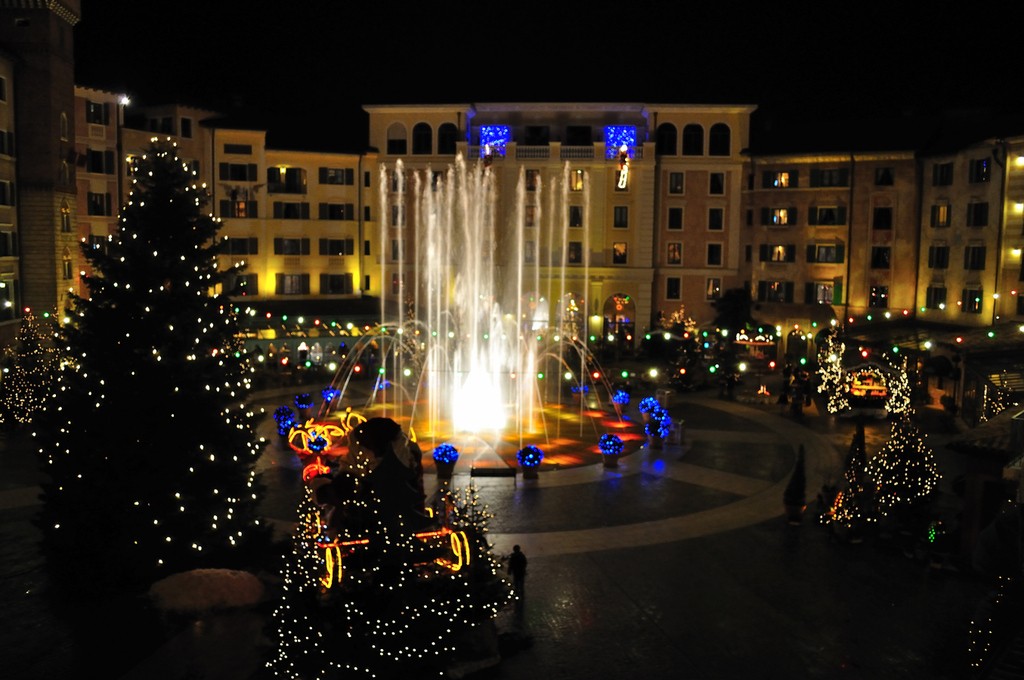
(285, 419)
(445, 457)
(646, 406)
(611, 448)
(794, 498)
(529, 458)
(658, 426)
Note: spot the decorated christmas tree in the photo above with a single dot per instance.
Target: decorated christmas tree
(379, 585)
(830, 372)
(853, 506)
(31, 373)
(149, 444)
(903, 471)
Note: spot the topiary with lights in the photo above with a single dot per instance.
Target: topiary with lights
(31, 372)
(150, 444)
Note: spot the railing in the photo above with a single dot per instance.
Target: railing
(576, 153)
(533, 153)
(282, 188)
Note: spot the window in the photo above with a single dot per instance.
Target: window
(396, 251)
(693, 140)
(620, 218)
(246, 284)
(575, 253)
(970, 300)
(716, 183)
(336, 284)
(575, 216)
(342, 176)
(97, 113)
(100, 161)
(884, 177)
(447, 139)
(974, 257)
(673, 288)
(532, 180)
(240, 246)
(771, 252)
(97, 204)
(65, 217)
(3, 89)
(942, 174)
(878, 297)
(830, 177)
(778, 217)
(822, 293)
(775, 291)
(716, 219)
(665, 140)
(675, 182)
(397, 215)
(530, 216)
(719, 140)
(186, 127)
(66, 267)
(935, 297)
(977, 214)
(291, 211)
(675, 218)
(619, 252)
(422, 139)
(337, 246)
(239, 208)
(286, 180)
(6, 142)
(979, 170)
(64, 127)
(714, 254)
(712, 288)
(674, 252)
(938, 257)
(881, 218)
(826, 216)
(880, 257)
(337, 211)
(291, 246)
(940, 215)
(529, 252)
(292, 284)
(238, 172)
(8, 243)
(576, 180)
(778, 179)
(828, 253)
(240, 149)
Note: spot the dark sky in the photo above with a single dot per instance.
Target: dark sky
(306, 67)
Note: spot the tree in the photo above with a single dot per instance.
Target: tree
(733, 310)
(853, 506)
(31, 373)
(904, 470)
(830, 371)
(150, 443)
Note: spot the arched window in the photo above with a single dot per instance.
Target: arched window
(422, 139)
(665, 140)
(65, 217)
(447, 136)
(693, 140)
(397, 141)
(64, 133)
(719, 140)
(66, 265)
(65, 173)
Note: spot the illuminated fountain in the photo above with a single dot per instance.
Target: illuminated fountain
(472, 358)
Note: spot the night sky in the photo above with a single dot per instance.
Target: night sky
(305, 68)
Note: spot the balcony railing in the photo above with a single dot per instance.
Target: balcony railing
(283, 188)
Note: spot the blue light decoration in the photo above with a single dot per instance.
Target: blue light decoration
(576, 389)
(285, 419)
(621, 397)
(660, 423)
(330, 394)
(648, 404)
(495, 137)
(304, 400)
(446, 453)
(529, 456)
(317, 444)
(610, 444)
(617, 135)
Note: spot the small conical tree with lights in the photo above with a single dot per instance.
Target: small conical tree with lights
(150, 443)
(830, 371)
(903, 471)
(30, 375)
(853, 507)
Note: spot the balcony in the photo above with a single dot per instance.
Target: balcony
(285, 188)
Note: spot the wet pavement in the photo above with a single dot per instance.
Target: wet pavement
(678, 564)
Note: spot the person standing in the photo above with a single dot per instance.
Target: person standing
(517, 568)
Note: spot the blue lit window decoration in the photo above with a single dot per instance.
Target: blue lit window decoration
(304, 400)
(495, 136)
(529, 456)
(330, 394)
(648, 404)
(617, 135)
(610, 444)
(621, 397)
(446, 453)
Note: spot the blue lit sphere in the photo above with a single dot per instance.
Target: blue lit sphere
(610, 444)
(330, 393)
(304, 400)
(317, 444)
(283, 413)
(648, 404)
(446, 453)
(620, 397)
(660, 423)
(529, 456)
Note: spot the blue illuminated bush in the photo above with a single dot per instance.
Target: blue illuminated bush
(610, 444)
(660, 423)
(285, 419)
(620, 397)
(330, 394)
(446, 453)
(529, 456)
(648, 404)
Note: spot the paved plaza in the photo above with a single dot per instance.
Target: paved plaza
(677, 564)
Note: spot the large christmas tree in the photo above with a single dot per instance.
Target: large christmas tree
(904, 470)
(149, 444)
(31, 372)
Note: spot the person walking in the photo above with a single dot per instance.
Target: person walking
(517, 568)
